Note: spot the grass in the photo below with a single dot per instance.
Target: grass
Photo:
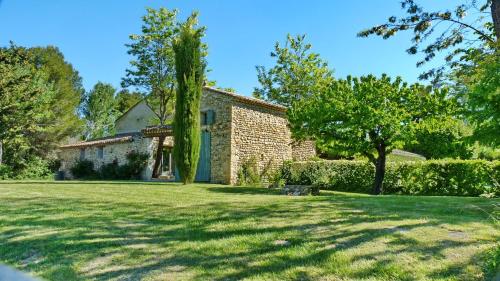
(159, 231)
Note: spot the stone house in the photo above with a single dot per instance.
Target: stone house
(234, 128)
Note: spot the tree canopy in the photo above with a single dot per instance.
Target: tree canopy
(125, 99)
(153, 67)
(99, 111)
(459, 30)
(26, 96)
(298, 72)
(68, 93)
(368, 116)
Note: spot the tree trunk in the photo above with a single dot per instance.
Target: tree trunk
(1, 151)
(495, 14)
(379, 170)
(158, 157)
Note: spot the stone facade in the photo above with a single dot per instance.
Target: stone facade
(261, 134)
(303, 150)
(243, 128)
(110, 153)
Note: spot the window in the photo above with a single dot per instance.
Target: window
(100, 152)
(82, 154)
(207, 117)
(203, 118)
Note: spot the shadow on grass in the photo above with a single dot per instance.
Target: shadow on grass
(127, 240)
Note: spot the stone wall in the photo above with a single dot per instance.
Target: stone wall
(261, 134)
(112, 152)
(303, 150)
(220, 133)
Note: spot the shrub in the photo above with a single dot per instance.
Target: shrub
(435, 177)
(110, 171)
(84, 169)
(136, 162)
(5, 172)
(33, 168)
(248, 174)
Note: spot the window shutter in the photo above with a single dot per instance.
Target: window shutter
(210, 117)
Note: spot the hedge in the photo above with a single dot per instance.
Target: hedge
(433, 177)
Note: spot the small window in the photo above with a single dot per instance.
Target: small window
(100, 152)
(203, 118)
(82, 154)
(207, 117)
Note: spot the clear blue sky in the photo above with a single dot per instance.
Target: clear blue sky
(240, 34)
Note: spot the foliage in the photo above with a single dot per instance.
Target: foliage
(26, 96)
(110, 171)
(433, 177)
(492, 262)
(459, 34)
(132, 170)
(213, 84)
(298, 73)
(485, 152)
(368, 116)
(5, 172)
(98, 110)
(36, 168)
(482, 96)
(441, 138)
(248, 174)
(136, 163)
(190, 72)
(68, 93)
(83, 169)
(153, 67)
(126, 99)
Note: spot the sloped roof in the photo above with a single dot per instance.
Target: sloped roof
(248, 100)
(155, 131)
(122, 138)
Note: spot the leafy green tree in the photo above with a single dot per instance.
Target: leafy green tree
(368, 116)
(69, 92)
(481, 85)
(99, 111)
(298, 73)
(126, 99)
(457, 34)
(26, 96)
(445, 137)
(190, 73)
(153, 67)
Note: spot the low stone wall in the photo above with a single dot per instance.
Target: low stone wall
(303, 150)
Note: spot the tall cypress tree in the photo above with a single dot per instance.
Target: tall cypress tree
(190, 69)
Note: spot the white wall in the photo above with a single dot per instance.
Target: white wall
(138, 118)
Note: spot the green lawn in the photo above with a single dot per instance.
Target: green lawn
(158, 231)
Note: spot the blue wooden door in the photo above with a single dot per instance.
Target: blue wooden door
(203, 169)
